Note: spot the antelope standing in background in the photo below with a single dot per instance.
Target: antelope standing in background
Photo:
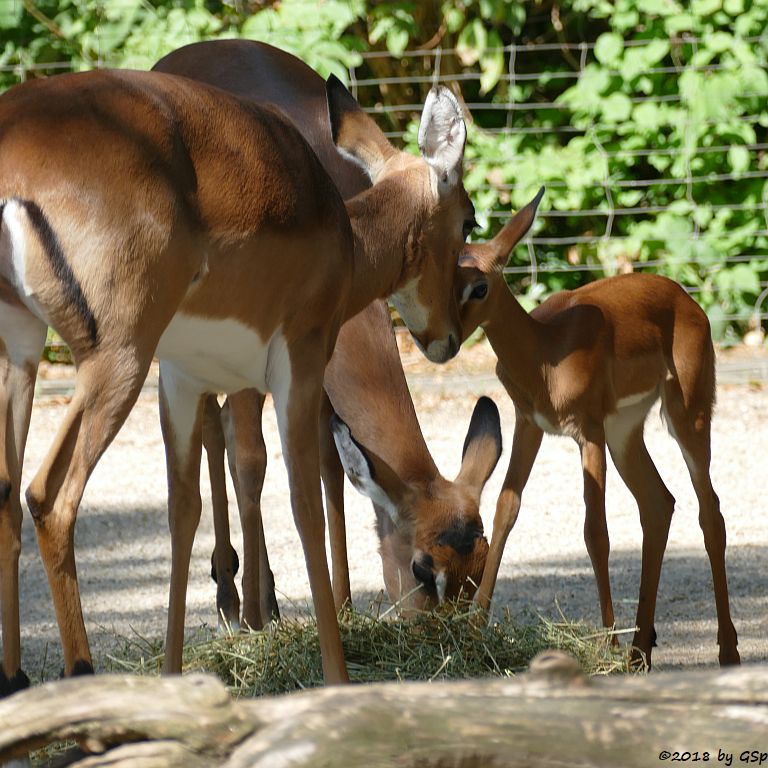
(589, 364)
(435, 528)
(146, 213)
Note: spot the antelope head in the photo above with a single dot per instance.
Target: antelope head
(479, 274)
(428, 212)
(431, 535)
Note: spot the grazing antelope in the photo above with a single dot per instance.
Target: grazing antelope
(589, 364)
(434, 527)
(145, 213)
(429, 528)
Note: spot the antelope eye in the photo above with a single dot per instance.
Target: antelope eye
(479, 291)
(423, 574)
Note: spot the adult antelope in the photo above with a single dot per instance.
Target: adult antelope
(432, 526)
(589, 364)
(144, 212)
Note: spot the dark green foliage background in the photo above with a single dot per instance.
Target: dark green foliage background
(673, 95)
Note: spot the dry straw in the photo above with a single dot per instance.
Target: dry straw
(451, 643)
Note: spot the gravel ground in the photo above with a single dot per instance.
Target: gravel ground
(123, 545)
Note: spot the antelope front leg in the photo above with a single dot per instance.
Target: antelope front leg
(595, 526)
(333, 481)
(525, 447)
(106, 387)
(297, 403)
(181, 408)
(24, 336)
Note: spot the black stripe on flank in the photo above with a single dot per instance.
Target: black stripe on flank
(72, 288)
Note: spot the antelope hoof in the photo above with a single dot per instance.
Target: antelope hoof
(80, 668)
(729, 658)
(13, 684)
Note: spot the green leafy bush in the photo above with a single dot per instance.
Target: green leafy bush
(647, 120)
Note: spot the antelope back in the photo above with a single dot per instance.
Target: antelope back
(422, 199)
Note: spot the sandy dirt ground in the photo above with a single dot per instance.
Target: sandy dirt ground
(123, 546)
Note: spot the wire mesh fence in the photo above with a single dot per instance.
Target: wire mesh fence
(551, 121)
(687, 197)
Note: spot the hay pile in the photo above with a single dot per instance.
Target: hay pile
(453, 642)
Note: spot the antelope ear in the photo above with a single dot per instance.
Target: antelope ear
(493, 255)
(371, 475)
(482, 446)
(442, 136)
(355, 134)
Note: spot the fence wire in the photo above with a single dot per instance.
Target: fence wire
(607, 210)
(553, 121)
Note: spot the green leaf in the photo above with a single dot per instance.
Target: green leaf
(608, 48)
(453, 17)
(705, 7)
(680, 22)
(738, 158)
(397, 40)
(617, 108)
(491, 63)
(658, 7)
(11, 12)
(472, 42)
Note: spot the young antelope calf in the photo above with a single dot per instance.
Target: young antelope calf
(589, 364)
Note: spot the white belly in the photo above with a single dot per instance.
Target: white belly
(543, 423)
(218, 355)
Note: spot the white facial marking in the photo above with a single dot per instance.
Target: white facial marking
(441, 582)
(221, 355)
(467, 292)
(406, 302)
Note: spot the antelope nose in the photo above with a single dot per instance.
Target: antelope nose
(453, 346)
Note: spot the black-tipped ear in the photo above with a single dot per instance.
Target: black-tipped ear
(354, 133)
(482, 446)
(340, 101)
(493, 255)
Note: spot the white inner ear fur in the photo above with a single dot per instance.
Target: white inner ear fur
(442, 135)
(358, 471)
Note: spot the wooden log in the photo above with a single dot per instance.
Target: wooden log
(103, 711)
(553, 716)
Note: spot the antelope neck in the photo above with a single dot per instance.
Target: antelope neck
(514, 335)
(383, 244)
